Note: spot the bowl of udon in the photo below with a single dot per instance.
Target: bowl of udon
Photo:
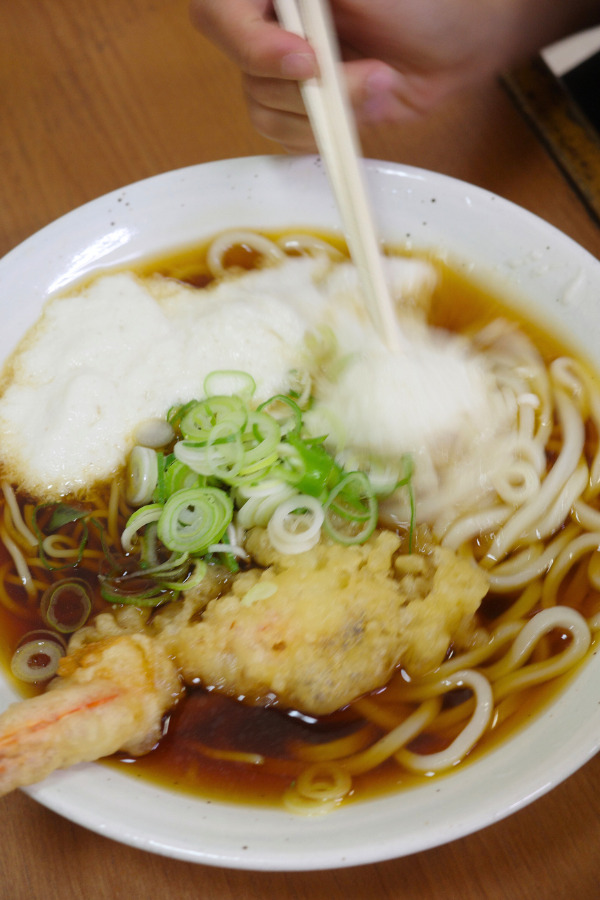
(274, 594)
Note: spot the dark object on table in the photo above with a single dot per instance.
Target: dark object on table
(569, 130)
(583, 84)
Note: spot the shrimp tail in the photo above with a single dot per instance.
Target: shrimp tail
(109, 696)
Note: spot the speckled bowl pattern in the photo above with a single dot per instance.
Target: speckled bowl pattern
(520, 257)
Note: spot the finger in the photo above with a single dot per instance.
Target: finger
(289, 129)
(378, 93)
(275, 93)
(277, 111)
(246, 31)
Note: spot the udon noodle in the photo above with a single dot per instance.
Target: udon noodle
(530, 521)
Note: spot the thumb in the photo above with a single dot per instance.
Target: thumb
(379, 93)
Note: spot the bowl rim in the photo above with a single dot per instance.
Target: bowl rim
(415, 819)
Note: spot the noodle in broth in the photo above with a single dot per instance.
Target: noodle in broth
(532, 526)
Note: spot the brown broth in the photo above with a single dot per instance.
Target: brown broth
(206, 723)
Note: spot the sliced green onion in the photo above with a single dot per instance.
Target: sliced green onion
(258, 508)
(153, 585)
(262, 590)
(351, 510)
(321, 420)
(146, 543)
(300, 386)
(139, 519)
(285, 411)
(201, 418)
(309, 467)
(179, 476)
(155, 433)
(260, 442)
(37, 656)
(272, 469)
(177, 565)
(384, 475)
(193, 519)
(406, 481)
(229, 550)
(409, 467)
(160, 491)
(291, 466)
(142, 475)
(66, 605)
(413, 516)
(228, 382)
(176, 414)
(132, 592)
(220, 456)
(192, 579)
(62, 515)
(295, 526)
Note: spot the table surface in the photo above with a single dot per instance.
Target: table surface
(97, 95)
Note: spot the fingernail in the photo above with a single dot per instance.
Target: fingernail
(378, 90)
(298, 65)
(374, 109)
(380, 81)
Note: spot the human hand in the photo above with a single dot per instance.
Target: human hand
(401, 57)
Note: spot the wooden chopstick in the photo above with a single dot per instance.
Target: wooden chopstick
(332, 121)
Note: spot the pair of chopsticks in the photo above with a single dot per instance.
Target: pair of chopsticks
(332, 121)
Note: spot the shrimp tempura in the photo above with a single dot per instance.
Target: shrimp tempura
(111, 696)
(311, 632)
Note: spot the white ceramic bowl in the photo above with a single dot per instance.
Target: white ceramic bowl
(524, 258)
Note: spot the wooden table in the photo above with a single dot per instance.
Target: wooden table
(95, 95)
